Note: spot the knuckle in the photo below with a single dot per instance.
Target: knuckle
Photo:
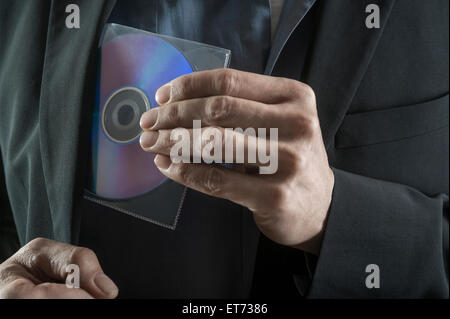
(305, 125)
(216, 131)
(292, 86)
(83, 257)
(218, 109)
(164, 141)
(311, 126)
(303, 92)
(173, 114)
(37, 244)
(225, 138)
(35, 259)
(31, 253)
(307, 92)
(291, 160)
(180, 87)
(300, 163)
(229, 138)
(227, 81)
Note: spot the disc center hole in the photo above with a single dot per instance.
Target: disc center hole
(125, 115)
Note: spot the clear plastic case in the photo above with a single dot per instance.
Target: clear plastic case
(201, 56)
(133, 65)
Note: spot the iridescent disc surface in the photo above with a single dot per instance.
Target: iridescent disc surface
(146, 62)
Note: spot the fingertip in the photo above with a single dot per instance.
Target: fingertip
(148, 119)
(148, 140)
(162, 96)
(107, 287)
(162, 162)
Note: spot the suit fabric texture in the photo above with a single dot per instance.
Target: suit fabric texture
(382, 97)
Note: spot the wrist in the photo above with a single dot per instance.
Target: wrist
(314, 243)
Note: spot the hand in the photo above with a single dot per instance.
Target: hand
(290, 206)
(38, 271)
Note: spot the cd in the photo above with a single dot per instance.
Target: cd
(133, 67)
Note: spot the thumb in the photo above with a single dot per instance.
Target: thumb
(49, 260)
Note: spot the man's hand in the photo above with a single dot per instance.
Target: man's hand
(38, 270)
(290, 206)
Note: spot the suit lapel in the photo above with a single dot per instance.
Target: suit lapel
(291, 16)
(341, 53)
(68, 89)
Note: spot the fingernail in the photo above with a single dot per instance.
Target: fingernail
(163, 94)
(148, 139)
(148, 119)
(162, 162)
(106, 285)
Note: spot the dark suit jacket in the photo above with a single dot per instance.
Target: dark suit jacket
(382, 97)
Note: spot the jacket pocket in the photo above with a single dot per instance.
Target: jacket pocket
(376, 127)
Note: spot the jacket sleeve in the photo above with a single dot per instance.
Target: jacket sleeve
(9, 241)
(382, 240)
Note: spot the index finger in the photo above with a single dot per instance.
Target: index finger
(227, 82)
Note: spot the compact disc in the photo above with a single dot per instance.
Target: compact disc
(133, 67)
